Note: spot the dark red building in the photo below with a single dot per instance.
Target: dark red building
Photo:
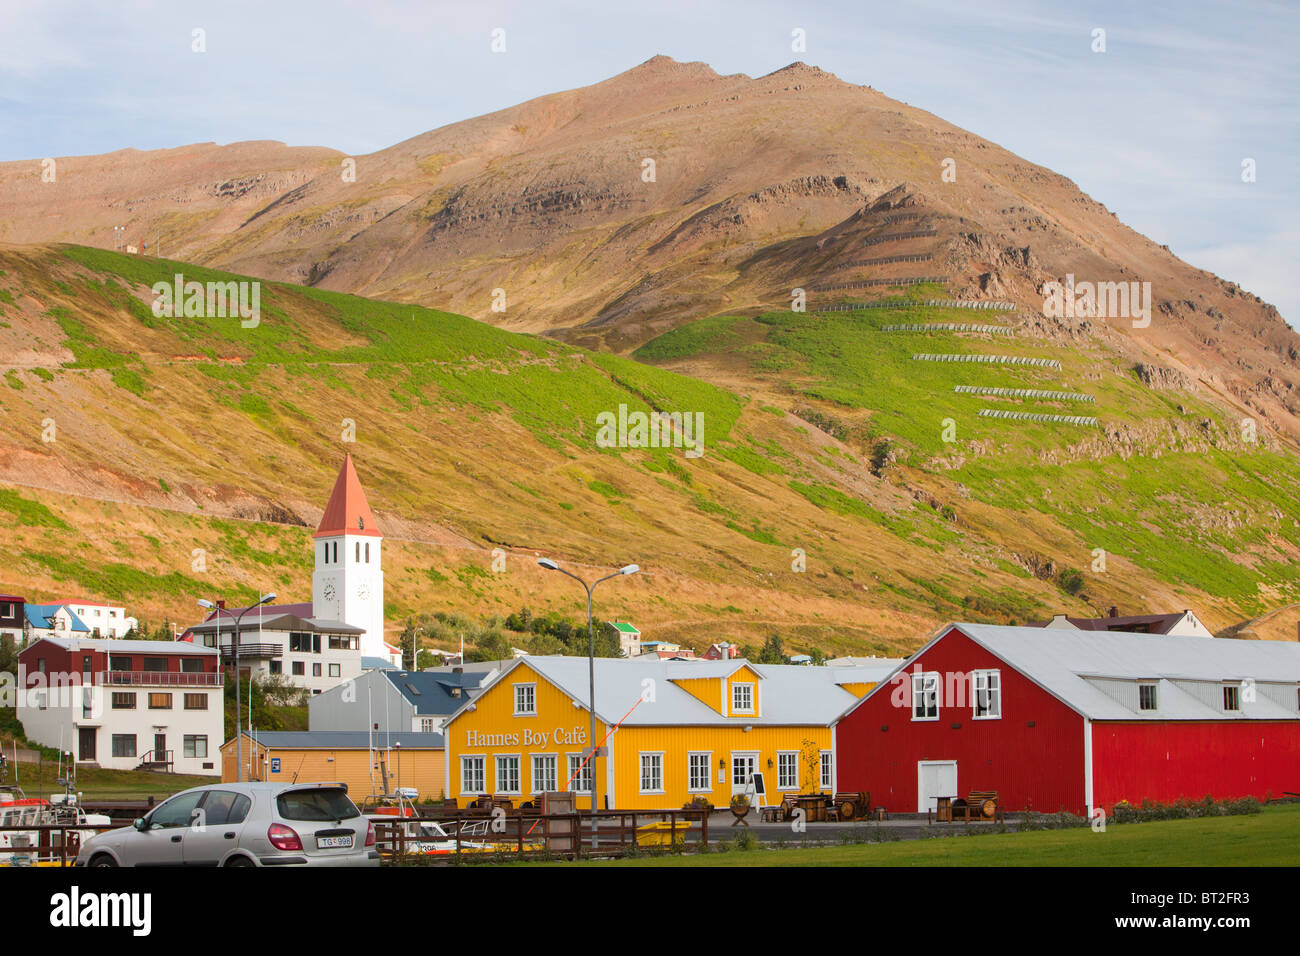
(1057, 719)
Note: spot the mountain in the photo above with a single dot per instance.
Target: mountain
(853, 492)
(547, 201)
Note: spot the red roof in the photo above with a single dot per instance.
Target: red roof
(347, 512)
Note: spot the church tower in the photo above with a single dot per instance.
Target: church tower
(348, 584)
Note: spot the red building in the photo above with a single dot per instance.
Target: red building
(1057, 719)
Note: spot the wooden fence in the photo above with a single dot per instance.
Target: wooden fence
(524, 834)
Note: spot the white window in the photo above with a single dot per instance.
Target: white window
(742, 698)
(988, 694)
(925, 696)
(429, 725)
(827, 770)
(579, 774)
(473, 775)
(525, 699)
(1231, 697)
(508, 774)
(652, 773)
(1147, 699)
(699, 772)
(544, 773)
(195, 746)
(787, 770)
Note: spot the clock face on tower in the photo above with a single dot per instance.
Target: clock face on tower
(363, 591)
(328, 591)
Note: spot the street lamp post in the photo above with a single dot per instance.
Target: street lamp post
(239, 739)
(591, 662)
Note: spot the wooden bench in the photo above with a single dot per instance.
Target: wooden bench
(979, 805)
(852, 805)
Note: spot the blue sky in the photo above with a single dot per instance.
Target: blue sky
(1156, 127)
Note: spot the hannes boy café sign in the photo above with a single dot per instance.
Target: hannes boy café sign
(560, 737)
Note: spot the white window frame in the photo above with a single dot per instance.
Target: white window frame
(641, 766)
(195, 742)
(531, 687)
(573, 765)
(746, 685)
(466, 764)
(555, 772)
(826, 770)
(920, 679)
(1155, 696)
(708, 771)
(995, 694)
(1236, 697)
(496, 768)
(793, 757)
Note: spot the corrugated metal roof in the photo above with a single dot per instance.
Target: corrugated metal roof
(281, 622)
(38, 616)
(345, 740)
(789, 694)
(1063, 661)
(121, 645)
(347, 511)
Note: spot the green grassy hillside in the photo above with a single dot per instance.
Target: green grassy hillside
(191, 457)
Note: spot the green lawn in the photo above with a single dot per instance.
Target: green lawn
(106, 784)
(1269, 838)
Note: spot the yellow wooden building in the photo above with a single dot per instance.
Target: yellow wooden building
(370, 764)
(672, 730)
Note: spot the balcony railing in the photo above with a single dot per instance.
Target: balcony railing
(159, 679)
(248, 652)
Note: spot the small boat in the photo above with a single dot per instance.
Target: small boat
(433, 839)
(62, 809)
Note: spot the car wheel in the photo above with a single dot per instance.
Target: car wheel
(240, 861)
(103, 859)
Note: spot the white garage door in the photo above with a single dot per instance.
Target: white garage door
(935, 778)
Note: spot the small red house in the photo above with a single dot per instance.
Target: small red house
(1070, 720)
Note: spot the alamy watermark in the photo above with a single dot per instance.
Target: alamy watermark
(210, 300)
(1098, 300)
(626, 429)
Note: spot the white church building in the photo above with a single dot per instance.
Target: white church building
(319, 645)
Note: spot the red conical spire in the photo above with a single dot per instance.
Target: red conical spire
(347, 512)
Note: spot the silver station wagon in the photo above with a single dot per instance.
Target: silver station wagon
(243, 824)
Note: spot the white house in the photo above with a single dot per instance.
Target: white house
(307, 652)
(104, 620)
(629, 638)
(53, 620)
(124, 704)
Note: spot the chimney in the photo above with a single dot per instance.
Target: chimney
(221, 604)
(1114, 612)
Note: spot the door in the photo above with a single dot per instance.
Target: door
(162, 842)
(86, 743)
(743, 766)
(217, 828)
(159, 747)
(934, 779)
